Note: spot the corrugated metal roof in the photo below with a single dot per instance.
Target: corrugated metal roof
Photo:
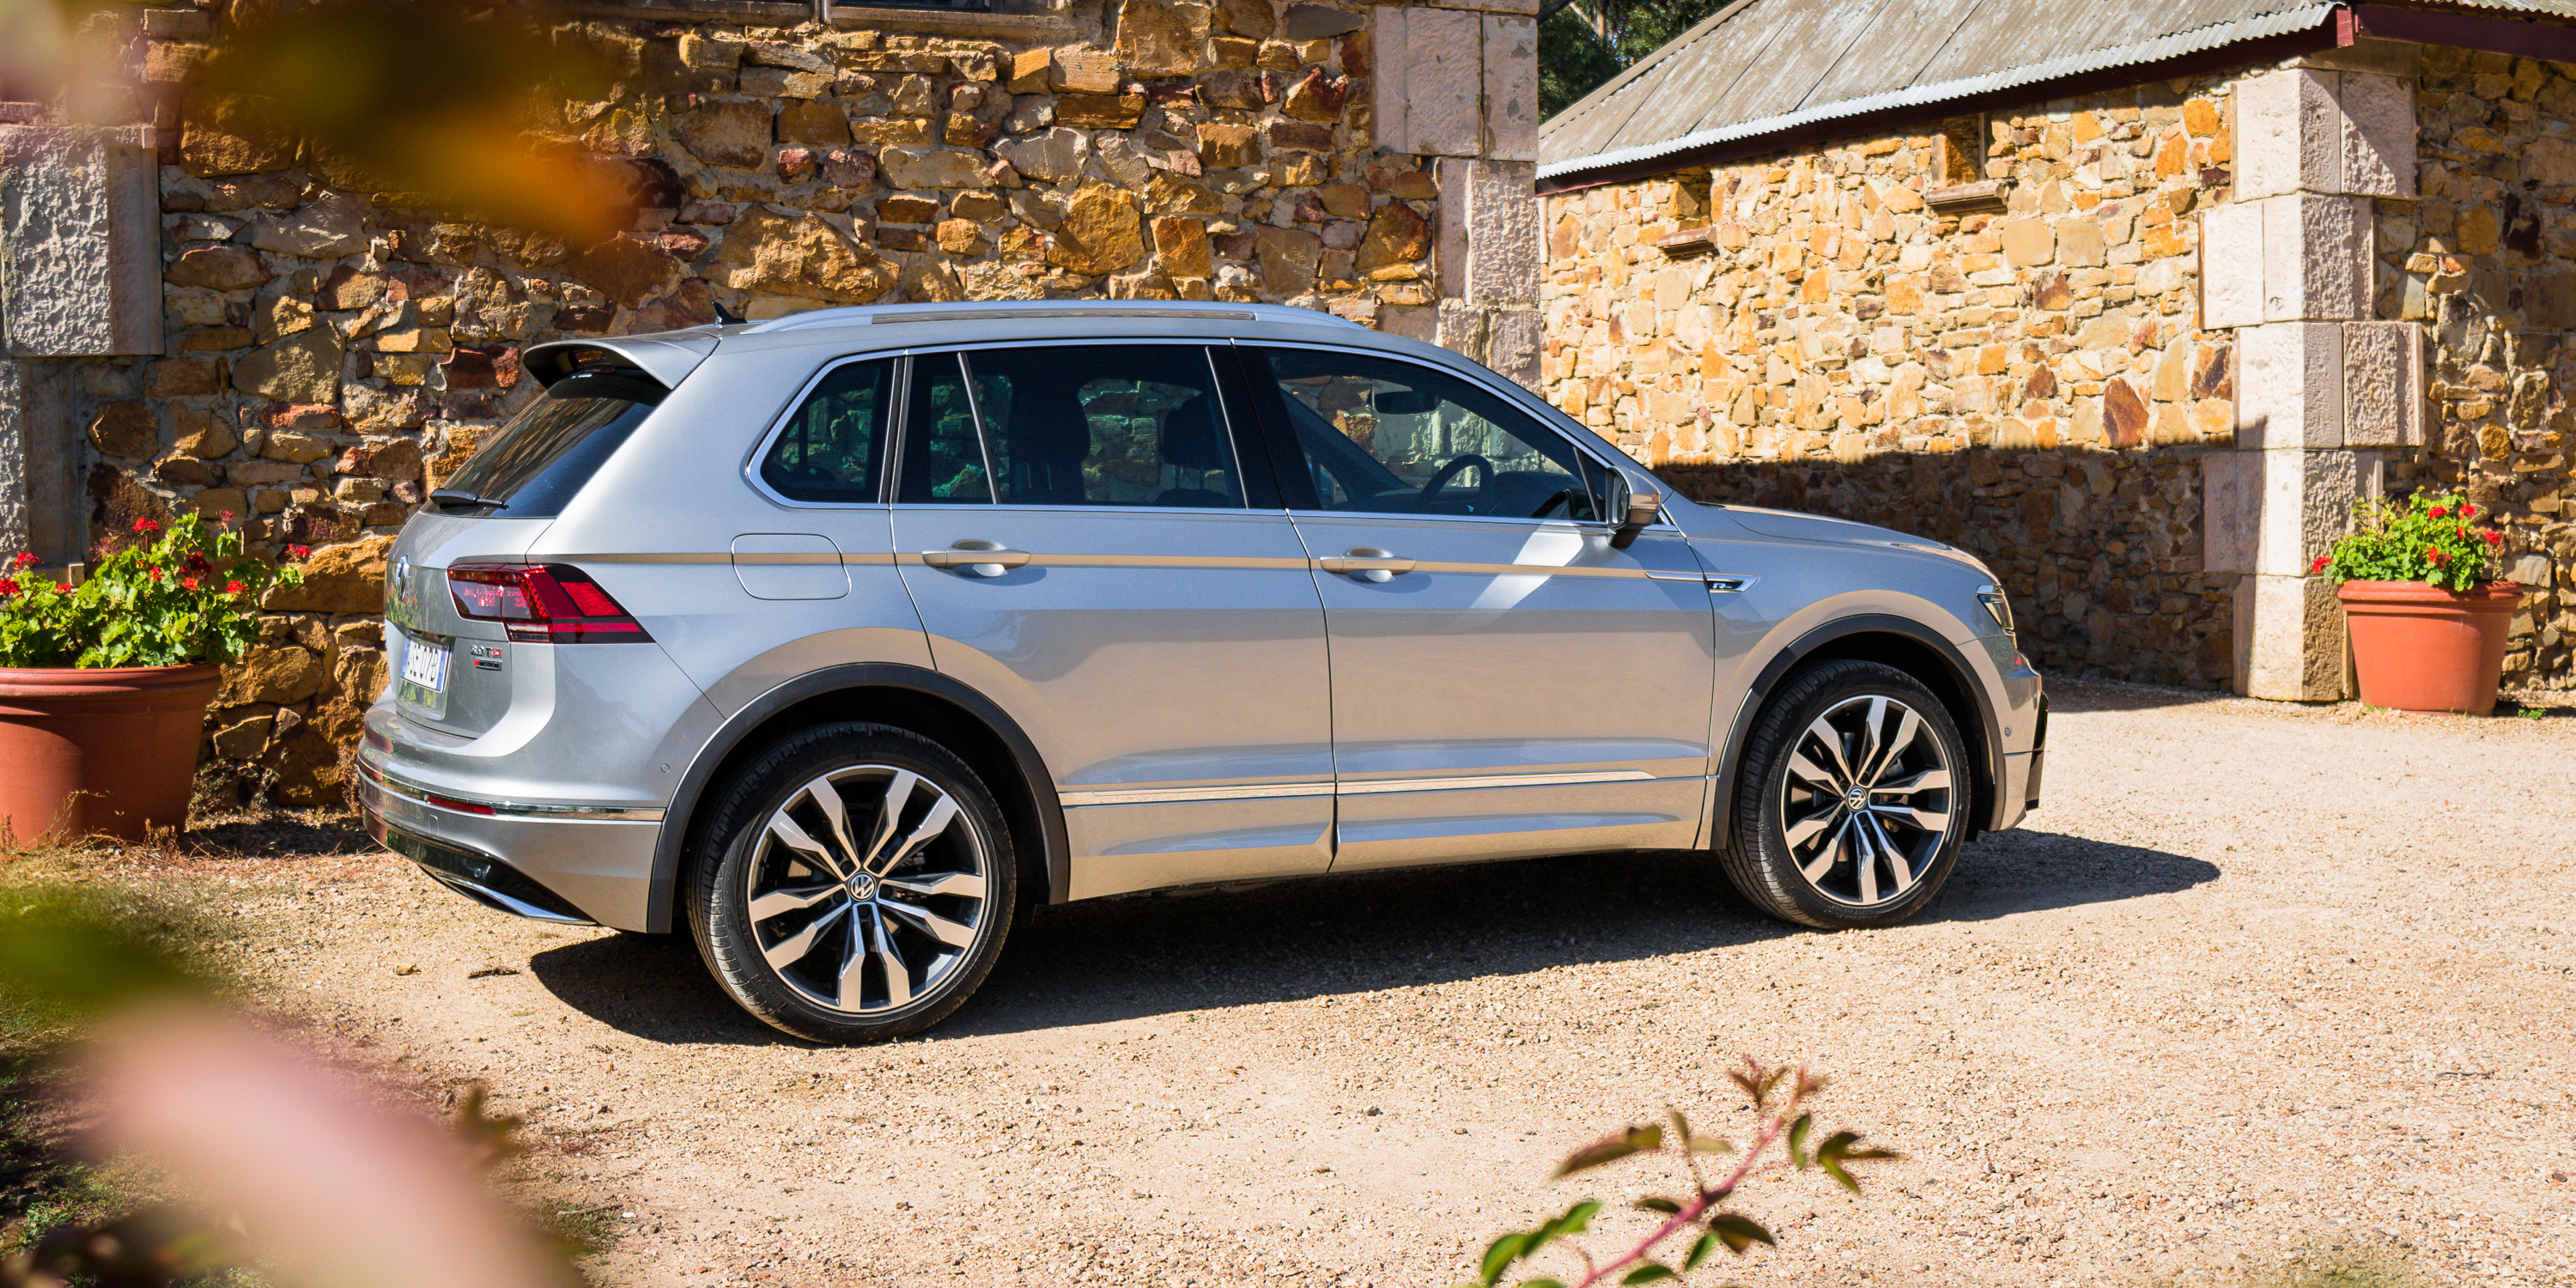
(1764, 66)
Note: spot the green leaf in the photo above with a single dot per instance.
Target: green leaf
(1700, 1251)
(1845, 1147)
(1610, 1149)
(1651, 1272)
(1500, 1254)
(1738, 1232)
(1681, 1126)
(1798, 1140)
(1656, 1203)
(1542, 1282)
(1578, 1218)
(1711, 1145)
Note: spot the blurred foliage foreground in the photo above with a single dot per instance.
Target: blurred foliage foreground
(150, 1135)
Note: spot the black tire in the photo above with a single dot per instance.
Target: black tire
(1771, 868)
(737, 851)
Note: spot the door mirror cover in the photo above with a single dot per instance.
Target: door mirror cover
(1637, 505)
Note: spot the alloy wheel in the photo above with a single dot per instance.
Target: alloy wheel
(867, 889)
(1866, 803)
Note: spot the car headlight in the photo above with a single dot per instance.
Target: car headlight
(1998, 606)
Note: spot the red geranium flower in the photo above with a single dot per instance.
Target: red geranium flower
(187, 583)
(8, 586)
(2468, 510)
(2495, 538)
(2438, 556)
(146, 525)
(156, 573)
(299, 552)
(25, 559)
(65, 587)
(234, 588)
(2440, 512)
(2320, 564)
(226, 516)
(196, 562)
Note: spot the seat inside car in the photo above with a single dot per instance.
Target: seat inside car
(1190, 444)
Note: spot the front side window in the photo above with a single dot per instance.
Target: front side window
(943, 460)
(1394, 438)
(831, 449)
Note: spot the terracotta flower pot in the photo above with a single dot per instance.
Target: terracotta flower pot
(2421, 648)
(101, 752)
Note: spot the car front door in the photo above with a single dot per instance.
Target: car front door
(1505, 681)
(1074, 524)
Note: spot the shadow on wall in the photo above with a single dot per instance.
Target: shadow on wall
(1122, 959)
(2101, 550)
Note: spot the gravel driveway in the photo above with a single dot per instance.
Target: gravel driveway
(2261, 988)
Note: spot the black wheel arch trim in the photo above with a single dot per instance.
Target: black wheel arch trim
(669, 847)
(1758, 695)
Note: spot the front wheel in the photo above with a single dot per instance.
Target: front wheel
(855, 883)
(1852, 799)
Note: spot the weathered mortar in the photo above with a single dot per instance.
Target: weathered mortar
(2028, 381)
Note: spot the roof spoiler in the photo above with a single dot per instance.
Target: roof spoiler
(668, 360)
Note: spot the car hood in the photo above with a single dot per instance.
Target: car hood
(1793, 526)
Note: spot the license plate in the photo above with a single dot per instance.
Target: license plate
(425, 666)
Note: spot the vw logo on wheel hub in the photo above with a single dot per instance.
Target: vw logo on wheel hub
(863, 887)
(1857, 798)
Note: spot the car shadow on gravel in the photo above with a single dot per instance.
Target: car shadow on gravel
(1127, 958)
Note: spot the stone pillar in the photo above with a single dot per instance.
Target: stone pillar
(80, 277)
(1461, 85)
(2324, 393)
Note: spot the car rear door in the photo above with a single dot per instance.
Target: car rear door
(1504, 681)
(1075, 525)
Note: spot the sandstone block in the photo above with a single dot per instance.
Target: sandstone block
(811, 122)
(2307, 504)
(2377, 138)
(1254, 18)
(345, 578)
(2289, 639)
(217, 268)
(2231, 507)
(1442, 109)
(728, 132)
(1289, 258)
(800, 255)
(2316, 257)
(228, 135)
(774, 53)
(1100, 111)
(2290, 386)
(2027, 242)
(2079, 243)
(904, 208)
(1162, 37)
(1229, 147)
(275, 674)
(708, 53)
(182, 377)
(933, 168)
(1505, 253)
(1083, 70)
(2383, 399)
(203, 434)
(301, 368)
(295, 447)
(2231, 257)
(883, 131)
(2287, 133)
(125, 428)
(780, 82)
(1300, 136)
(625, 268)
(1511, 88)
(1102, 232)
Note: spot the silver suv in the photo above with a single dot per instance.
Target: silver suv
(843, 640)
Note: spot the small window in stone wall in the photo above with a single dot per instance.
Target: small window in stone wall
(1960, 151)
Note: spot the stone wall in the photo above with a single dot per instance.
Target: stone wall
(1987, 333)
(331, 354)
(2487, 261)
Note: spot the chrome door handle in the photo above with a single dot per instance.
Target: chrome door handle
(1367, 563)
(976, 558)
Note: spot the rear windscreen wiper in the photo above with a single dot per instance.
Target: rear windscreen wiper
(451, 499)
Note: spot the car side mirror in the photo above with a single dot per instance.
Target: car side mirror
(1636, 507)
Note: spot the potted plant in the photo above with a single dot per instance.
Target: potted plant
(2427, 626)
(103, 685)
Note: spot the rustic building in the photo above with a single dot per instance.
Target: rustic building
(196, 315)
(2131, 301)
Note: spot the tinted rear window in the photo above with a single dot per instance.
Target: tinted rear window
(542, 457)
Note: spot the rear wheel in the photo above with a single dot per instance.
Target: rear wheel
(1851, 803)
(855, 883)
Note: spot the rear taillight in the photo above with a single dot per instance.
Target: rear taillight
(542, 604)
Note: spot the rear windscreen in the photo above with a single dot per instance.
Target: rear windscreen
(535, 464)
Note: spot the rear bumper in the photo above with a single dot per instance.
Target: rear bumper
(563, 865)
